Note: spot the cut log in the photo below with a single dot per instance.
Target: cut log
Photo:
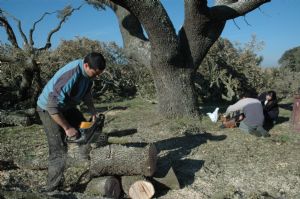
(13, 118)
(121, 160)
(106, 186)
(128, 181)
(141, 190)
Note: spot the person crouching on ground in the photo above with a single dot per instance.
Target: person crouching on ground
(253, 115)
(271, 109)
(56, 107)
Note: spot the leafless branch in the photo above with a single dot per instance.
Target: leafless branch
(19, 26)
(34, 25)
(9, 31)
(63, 19)
(236, 24)
(237, 8)
(246, 21)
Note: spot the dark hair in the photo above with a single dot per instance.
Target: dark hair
(95, 60)
(249, 94)
(272, 94)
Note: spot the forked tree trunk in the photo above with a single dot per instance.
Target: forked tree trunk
(175, 92)
(121, 160)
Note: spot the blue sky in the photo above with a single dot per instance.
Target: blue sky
(277, 24)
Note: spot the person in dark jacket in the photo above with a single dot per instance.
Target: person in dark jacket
(270, 107)
(56, 107)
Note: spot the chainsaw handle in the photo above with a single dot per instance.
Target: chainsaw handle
(84, 135)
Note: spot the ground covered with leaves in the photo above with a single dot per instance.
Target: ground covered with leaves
(209, 162)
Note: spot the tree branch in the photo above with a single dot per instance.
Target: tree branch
(9, 31)
(19, 26)
(33, 27)
(199, 32)
(7, 59)
(157, 24)
(63, 19)
(232, 9)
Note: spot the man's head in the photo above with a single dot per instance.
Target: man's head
(94, 64)
(248, 94)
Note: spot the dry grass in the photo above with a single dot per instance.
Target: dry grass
(209, 162)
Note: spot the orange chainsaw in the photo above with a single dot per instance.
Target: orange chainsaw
(90, 131)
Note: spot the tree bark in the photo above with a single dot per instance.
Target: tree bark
(122, 160)
(135, 43)
(106, 186)
(175, 92)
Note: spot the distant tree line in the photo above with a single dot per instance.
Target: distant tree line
(227, 71)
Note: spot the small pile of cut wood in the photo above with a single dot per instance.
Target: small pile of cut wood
(116, 168)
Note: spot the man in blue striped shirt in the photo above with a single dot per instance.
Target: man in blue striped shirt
(56, 106)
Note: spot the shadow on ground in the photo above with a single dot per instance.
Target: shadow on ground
(124, 132)
(288, 106)
(280, 120)
(177, 149)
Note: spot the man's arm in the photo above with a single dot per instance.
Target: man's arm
(61, 121)
(238, 106)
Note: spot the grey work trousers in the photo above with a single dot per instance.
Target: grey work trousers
(255, 130)
(57, 143)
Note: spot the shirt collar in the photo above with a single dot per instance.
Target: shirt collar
(82, 69)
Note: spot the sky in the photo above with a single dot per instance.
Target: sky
(277, 24)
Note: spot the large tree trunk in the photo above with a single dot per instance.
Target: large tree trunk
(121, 160)
(175, 91)
(202, 27)
(31, 83)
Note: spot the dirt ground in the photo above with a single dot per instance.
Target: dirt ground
(209, 162)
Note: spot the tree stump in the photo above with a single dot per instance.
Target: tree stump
(121, 160)
(106, 186)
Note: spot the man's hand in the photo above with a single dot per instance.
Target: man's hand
(71, 132)
(94, 116)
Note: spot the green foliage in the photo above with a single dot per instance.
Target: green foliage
(291, 59)
(228, 70)
(115, 82)
(10, 72)
(282, 80)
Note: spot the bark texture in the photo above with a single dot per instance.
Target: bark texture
(121, 160)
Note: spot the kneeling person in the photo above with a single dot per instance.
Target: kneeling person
(253, 115)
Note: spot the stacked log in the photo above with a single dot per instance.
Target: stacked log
(121, 160)
(107, 186)
(137, 187)
(128, 162)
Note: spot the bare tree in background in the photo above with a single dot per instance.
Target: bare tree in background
(26, 55)
(174, 58)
